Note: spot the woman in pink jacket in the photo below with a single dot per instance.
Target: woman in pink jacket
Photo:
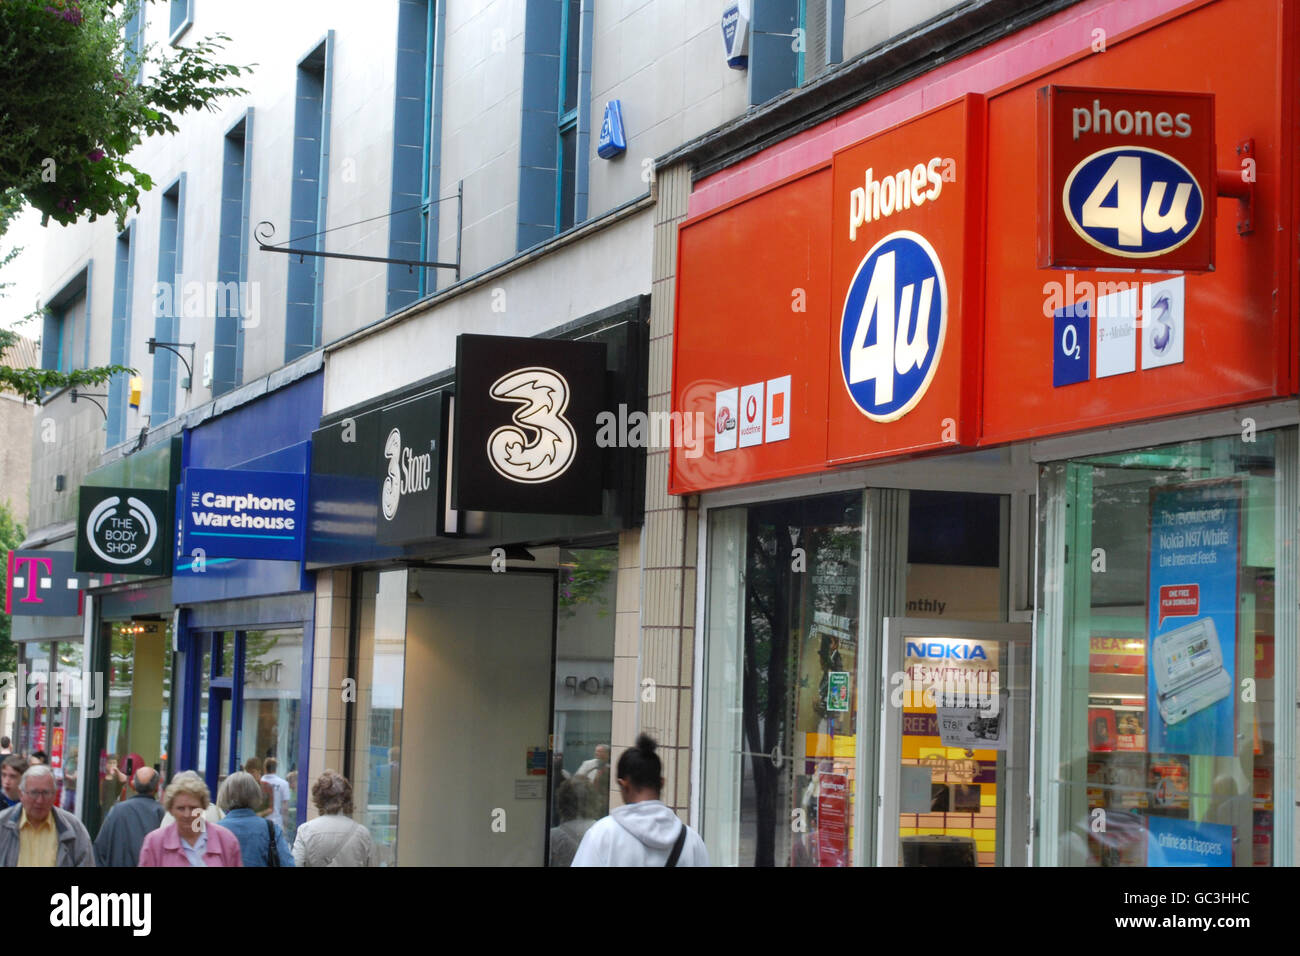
(193, 841)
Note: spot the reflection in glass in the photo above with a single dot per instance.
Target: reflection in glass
(783, 605)
(1160, 567)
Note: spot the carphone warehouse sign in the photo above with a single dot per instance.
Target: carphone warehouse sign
(244, 514)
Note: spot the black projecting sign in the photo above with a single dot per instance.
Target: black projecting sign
(123, 530)
(525, 432)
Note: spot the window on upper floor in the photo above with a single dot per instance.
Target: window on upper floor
(417, 150)
(181, 15)
(65, 339)
(134, 39)
(791, 43)
(119, 349)
(556, 124)
(308, 187)
(234, 302)
(168, 301)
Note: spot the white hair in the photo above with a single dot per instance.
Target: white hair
(36, 770)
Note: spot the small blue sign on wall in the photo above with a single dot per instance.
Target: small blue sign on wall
(1072, 344)
(613, 140)
(735, 37)
(244, 514)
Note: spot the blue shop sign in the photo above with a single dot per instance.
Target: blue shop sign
(244, 514)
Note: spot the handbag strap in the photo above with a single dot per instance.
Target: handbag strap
(272, 851)
(677, 847)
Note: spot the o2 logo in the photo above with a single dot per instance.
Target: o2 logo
(540, 445)
(892, 331)
(1132, 201)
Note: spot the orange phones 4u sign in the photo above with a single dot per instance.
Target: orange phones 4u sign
(1129, 179)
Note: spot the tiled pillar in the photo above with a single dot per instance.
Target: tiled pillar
(329, 668)
(654, 661)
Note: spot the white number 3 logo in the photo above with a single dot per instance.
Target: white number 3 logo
(539, 446)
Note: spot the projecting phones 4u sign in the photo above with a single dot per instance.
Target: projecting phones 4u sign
(1130, 179)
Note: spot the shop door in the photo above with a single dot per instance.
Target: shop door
(954, 767)
(476, 716)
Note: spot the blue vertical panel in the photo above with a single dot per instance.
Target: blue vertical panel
(835, 31)
(773, 61)
(50, 327)
(167, 302)
(306, 203)
(538, 143)
(581, 188)
(406, 228)
(85, 320)
(231, 262)
(123, 275)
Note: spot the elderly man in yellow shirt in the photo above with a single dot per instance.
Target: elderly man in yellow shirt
(38, 833)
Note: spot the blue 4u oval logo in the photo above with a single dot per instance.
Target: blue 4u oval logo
(894, 322)
(1133, 201)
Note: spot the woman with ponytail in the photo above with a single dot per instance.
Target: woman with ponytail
(644, 831)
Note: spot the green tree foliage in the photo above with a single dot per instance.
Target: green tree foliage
(11, 536)
(71, 109)
(71, 112)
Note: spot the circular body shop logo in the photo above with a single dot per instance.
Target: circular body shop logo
(120, 532)
(1133, 201)
(894, 322)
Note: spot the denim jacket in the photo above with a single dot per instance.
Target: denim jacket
(251, 831)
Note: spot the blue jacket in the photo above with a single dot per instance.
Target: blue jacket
(251, 831)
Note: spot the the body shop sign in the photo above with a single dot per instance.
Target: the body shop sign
(244, 514)
(1127, 179)
(122, 530)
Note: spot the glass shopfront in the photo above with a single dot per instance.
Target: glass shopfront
(866, 700)
(484, 696)
(1167, 621)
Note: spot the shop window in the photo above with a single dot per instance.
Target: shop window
(375, 758)
(272, 699)
(781, 671)
(1162, 642)
(135, 728)
(584, 695)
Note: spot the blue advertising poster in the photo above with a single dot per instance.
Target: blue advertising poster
(1175, 842)
(244, 514)
(1192, 608)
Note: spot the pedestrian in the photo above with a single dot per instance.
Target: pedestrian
(193, 841)
(11, 771)
(333, 838)
(238, 796)
(6, 746)
(279, 790)
(39, 757)
(38, 833)
(130, 821)
(644, 831)
(69, 798)
(212, 814)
